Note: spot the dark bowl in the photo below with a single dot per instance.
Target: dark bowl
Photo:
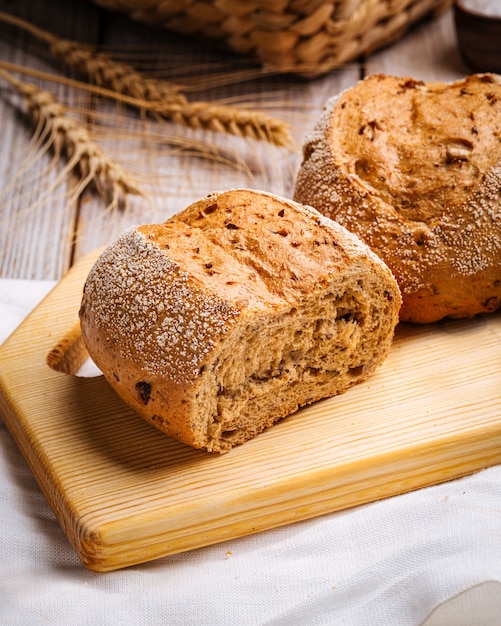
(479, 39)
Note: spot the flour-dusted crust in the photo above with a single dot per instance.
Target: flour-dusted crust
(234, 313)
(414, 169)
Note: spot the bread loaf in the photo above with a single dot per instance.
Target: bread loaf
(234, 313)
(414, 169)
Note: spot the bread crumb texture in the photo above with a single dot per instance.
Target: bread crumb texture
(414, 169)
(234, 313)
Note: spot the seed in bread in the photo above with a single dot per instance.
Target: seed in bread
(234, 313)
(414, 169)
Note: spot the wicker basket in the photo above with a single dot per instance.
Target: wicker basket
(309, 37)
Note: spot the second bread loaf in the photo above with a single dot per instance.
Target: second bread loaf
(414, 169)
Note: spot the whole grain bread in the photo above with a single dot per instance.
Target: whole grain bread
(235, 313)
(414, 169)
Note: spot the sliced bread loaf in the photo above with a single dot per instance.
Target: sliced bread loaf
(235, 313)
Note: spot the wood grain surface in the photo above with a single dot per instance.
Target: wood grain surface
(124, 493)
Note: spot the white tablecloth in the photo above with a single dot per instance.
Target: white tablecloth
(427, 558)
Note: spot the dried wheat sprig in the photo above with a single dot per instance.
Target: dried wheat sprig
(227, 119)
(65, 136)
(158, 96)
(100, 68)
(203, 115)
(162, 100)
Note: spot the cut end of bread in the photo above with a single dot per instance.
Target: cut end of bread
(271, 365)
(235, 313)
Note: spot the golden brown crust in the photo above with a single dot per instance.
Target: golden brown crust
(234, 313)
(145, 319)
(414, 169)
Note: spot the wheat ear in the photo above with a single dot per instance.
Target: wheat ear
(226, 119)
(100, 68)
(66, 136)
(158, 96)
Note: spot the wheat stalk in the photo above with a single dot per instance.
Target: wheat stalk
(226, 119)
(100, 68)
(66, 136)
(160, 97)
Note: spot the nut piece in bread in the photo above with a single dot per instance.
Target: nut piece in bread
(414, 169)
(235, 313)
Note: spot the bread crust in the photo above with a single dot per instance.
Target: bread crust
(215, 324)
(414, 169)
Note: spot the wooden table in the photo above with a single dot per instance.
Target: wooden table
(45, 227)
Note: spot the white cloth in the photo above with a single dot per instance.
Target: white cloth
(428, 558)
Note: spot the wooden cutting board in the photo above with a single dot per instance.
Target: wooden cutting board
(124, 493)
